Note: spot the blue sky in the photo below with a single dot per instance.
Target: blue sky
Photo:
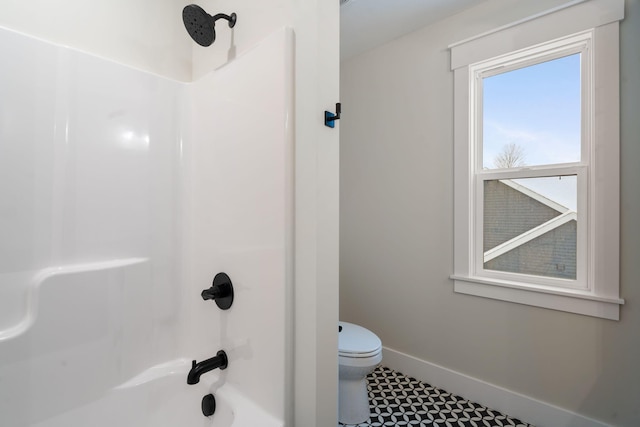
(537, 108)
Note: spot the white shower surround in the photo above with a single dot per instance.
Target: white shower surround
(123, 194)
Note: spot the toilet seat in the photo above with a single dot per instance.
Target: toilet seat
(354, 341)
(359, 355)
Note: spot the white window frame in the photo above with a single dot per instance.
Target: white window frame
(590, 28)
(575, 44)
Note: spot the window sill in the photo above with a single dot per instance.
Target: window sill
(555, 299)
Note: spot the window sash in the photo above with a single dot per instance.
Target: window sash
(577, 43)
(581, 281)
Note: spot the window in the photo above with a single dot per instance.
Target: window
(528, 142)
(536, 161)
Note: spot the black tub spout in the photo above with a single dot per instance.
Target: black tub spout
(218, 361)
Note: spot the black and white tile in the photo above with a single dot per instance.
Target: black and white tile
(398, 400)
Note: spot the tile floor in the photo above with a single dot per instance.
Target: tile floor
(398, 400)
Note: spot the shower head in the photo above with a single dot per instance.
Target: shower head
(201, 26)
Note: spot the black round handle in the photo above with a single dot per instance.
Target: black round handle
(221, 291)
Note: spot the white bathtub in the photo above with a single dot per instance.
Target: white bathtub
(161, 397)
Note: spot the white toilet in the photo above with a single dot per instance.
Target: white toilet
(359, 352)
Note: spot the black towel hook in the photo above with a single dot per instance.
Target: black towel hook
(330, 118)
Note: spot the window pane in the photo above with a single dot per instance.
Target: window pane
(531, 116)
(530, 226)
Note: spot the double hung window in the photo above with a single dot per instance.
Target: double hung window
(536, 166)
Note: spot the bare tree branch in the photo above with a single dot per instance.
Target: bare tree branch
(511, 156)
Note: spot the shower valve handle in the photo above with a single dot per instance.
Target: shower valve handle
(213, 293)
(221, 291)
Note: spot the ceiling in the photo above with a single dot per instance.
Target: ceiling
(365, 24)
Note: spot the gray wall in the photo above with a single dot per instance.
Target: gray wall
(396, 231)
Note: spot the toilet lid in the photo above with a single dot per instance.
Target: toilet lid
(356, 341)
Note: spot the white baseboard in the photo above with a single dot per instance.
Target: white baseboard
(517, 405)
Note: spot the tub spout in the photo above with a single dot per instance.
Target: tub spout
(218, 361)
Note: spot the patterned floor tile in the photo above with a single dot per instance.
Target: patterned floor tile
(398, 400)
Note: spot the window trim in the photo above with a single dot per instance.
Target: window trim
(598, 169)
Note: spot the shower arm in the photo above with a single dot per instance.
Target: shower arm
(231, 18)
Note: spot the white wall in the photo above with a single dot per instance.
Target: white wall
(143, 34)
(316, 196)
(255, 21)
(397, 232)
(313, 310)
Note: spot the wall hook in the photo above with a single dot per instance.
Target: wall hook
(330, 118)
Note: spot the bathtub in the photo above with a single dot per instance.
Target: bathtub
(161, 397)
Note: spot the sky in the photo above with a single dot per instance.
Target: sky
(537, 108)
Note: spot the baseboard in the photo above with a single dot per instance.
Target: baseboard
(517, 405)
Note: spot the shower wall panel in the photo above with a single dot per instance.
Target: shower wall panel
(240, 188)
(89, 226)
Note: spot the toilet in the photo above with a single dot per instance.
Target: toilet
(359, 352)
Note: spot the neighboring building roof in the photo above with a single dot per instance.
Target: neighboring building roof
(534, 195)
(530, 235)
(516, 221)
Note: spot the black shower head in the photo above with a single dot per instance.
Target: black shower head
(201, 26)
